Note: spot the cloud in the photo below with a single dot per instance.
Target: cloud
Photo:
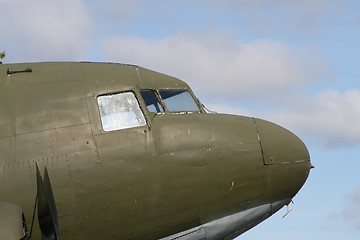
(227, 109)
(302, 7)
(220, 66)
(268, 73)
(351, 212)
(116, 9)
(304, 17)
(65, 30)
(41, 30)
(216, 65)
(330, 117)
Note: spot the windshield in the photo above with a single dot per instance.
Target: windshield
(179, 101)
(151, 101)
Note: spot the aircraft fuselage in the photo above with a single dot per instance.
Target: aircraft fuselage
(133, 155)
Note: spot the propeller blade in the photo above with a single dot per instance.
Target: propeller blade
(47, 213)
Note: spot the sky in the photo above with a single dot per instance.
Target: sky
(295, 63)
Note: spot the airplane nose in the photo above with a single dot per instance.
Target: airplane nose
(286, 157)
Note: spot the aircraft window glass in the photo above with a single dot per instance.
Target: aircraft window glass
(151, 101)
(120, 111)
(179, 101)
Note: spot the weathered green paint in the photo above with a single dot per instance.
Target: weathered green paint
(177, 172)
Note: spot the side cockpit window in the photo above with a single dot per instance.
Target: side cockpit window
(120, 111)
(179, 101)
(151, 101)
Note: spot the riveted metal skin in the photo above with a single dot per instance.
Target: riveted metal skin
(184, 175)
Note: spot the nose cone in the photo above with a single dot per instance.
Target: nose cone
(286, 157)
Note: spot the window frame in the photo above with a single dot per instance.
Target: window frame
(179, 112)
(139, 102)
(158, 98)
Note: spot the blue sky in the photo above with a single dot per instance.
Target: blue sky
(292, 62)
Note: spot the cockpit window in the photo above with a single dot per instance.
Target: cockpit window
(151, 101)
(179, 101)
(120, 111)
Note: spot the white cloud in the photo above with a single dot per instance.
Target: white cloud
(226, 109)
(222, 67)
(116, 9)
(331, 117)
(286, 16)
(215, 65)
(41, 30)
(305, 6)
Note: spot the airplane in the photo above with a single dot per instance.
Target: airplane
(133, 154)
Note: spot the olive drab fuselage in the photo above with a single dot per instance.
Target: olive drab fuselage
(164, 174)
